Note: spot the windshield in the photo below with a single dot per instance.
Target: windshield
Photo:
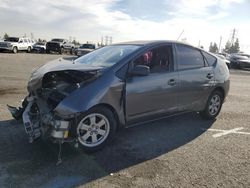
(57, 40)
(12, 39)
(89, 46)
(107, 56)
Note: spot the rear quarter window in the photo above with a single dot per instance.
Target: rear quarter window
(211, 60)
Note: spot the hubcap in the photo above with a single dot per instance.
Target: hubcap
(93, 129)
(214, 105)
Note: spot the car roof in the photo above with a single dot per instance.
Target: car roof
(150, 42)
(159, 42)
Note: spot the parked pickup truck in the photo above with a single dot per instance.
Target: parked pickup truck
(60, 46)
(15, 44)
(84, 49)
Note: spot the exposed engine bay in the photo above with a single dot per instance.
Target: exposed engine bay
(37, 111)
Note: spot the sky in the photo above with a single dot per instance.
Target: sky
(193, 21)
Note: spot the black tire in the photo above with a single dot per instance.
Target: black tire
(103, 139)
(42, 51)
(61, 51)
(15, 50)
(29, 49)
(72, 51)
(208, 112)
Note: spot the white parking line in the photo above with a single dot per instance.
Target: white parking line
(226, 132)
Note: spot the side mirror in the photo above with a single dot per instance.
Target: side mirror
(140, 70)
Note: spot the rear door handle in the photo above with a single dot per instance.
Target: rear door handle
(172, 82)
(210, 75)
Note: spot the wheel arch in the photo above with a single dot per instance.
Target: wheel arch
(112, 109)
(220, 89)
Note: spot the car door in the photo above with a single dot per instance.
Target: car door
(25, 44)
(21, 44)
(154, 95)
(196, 78)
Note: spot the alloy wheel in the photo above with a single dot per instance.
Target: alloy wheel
(93, 130)
(214, 105)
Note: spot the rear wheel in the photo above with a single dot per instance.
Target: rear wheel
(29, 49)
(213, 105)
(96, 128)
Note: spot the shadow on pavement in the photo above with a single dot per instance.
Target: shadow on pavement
(33, 165)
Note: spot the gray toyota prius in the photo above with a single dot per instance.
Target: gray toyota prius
(88, 99)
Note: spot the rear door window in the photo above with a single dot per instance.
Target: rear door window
(189, 58)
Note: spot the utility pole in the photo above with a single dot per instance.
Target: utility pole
(106, 40)
(102, 41)
(233, 36)
(31, 35)
(110, 40)
(220, 43)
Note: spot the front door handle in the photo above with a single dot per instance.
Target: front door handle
(172, 82)
(210, 75)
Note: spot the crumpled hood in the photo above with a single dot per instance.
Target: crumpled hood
(56, 65)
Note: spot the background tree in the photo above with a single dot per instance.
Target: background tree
(232, 48)
(75, 42)
(41, 40)
(236, 47)
(227, 47)
(5, 36)
(213, 48)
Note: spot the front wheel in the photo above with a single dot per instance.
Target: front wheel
(61, 51)
(15, 50)
(213, 105)
(96, 128)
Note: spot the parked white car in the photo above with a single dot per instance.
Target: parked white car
(16, 44)
(39, 47)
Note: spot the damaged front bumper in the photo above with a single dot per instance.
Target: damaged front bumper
(41, 123)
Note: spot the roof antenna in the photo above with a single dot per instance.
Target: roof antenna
(180, 35)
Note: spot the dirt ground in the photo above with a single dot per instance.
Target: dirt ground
(182, 151)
